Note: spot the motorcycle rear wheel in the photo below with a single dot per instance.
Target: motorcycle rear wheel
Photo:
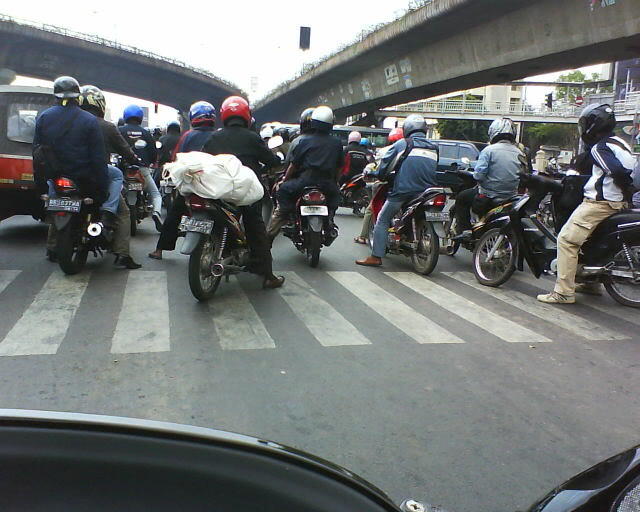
(425, 258)
(314, 244)
(502, 266)
(624, 290)
(72, 257)
(202, 282)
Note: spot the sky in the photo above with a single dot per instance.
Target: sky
(235, 40)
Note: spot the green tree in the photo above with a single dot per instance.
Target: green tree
(551, 134)
(463, 130)
(569, 94)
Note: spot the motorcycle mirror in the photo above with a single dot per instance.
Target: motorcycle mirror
(275, 142)
(465, 160)
(140, 144)
(158, 144)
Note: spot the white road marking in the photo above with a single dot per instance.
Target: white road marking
(392, 309)
(237, 324)
(546, 283)
(329, 327)
(44, 324)
(528, 304)
(470, 311)
(143, 323)
(6, 277)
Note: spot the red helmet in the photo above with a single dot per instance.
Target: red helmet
(395, 135)
(235, 106)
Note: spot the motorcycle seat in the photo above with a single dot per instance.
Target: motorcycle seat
(611, 224)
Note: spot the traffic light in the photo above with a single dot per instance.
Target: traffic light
(305, 38)
(549, 101)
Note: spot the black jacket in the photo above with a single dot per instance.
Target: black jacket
(80, 152)
(132, 133)
(169, 142)
(114, 142)
(243, 143)
(320, 155)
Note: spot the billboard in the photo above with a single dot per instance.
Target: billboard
(626, 78)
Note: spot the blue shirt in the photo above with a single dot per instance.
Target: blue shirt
(497, 170)
(417, 173)
(195, 139)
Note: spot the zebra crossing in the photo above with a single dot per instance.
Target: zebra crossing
(143, 324)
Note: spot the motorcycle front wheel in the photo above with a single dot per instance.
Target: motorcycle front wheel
(425, 256)
(202, 282)
(72, 256)
(314, 244)
(624, 290)
(503, 251)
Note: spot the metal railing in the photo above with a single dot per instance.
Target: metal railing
(112, 44)
(489, 108)
(630, 105)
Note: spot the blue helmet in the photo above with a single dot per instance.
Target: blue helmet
(364, 141)
(202, 112)
(133, 111)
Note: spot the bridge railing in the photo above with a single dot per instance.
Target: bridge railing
(497, 108)
(630, 105)
(111, 44)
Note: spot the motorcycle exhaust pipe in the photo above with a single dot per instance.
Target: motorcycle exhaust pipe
(95, 229)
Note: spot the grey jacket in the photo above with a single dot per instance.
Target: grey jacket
(497, 170)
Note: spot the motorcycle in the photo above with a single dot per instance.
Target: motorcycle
(215, 242)
(79, 229)
(611, 255)
(412, 233)
(137, 201)
(232, 471)
(353, 194)
(312, 226)
(167, 190)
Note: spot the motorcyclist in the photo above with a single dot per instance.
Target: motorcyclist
(394, 136)
(68, 140)
(286, 141)
(237, 139)
(168, 143)
(156, 133)
(356, 157)
(93, 101)
(415, 161)
(315, 161)
(496, 172)
(202, 116)
(606, 193)
(305, 129)
(133, 131)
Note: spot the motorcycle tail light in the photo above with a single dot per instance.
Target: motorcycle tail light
(438, 200)
(199, 203)
(135, 176)
(315, 196)
(64, 184)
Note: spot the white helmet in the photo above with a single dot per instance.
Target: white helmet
(504, 127)
(266, 132)
(354, 137)
(322, 118)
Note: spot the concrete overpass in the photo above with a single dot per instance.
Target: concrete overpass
(46, 52)
(452, 45)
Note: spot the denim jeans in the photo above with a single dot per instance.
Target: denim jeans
(151, 188)
(114, 191)
(381, 231)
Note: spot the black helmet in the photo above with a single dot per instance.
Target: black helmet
(305, 120)
(121, 121)
(294, 133)
(173, 126)
(92, 99)
(283, 131)
(596, 121)
(66, 87)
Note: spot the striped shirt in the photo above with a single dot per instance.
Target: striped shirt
(609, 160)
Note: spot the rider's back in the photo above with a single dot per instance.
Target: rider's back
(500, 179)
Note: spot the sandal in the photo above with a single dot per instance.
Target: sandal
(360, 240)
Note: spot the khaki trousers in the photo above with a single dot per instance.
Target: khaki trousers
(121, 235)
(573, 234)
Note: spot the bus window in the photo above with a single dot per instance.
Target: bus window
(21, 122)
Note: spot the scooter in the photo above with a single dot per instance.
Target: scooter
(354, 195)
(611, 255)
(65, 452)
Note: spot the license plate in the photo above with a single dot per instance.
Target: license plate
(314, 210)
(64, 205)
(134, 185)
(195, 225)
(437, 216)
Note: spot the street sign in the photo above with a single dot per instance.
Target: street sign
(579, 101)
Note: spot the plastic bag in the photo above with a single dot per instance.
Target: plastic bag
(215, 177)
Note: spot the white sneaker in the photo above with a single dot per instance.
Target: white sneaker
(157, 220)
(556, 298)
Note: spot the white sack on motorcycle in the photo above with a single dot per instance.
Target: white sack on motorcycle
(215, 177)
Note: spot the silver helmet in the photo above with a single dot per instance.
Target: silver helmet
(414, 123)
(503, 126)
(322, 118)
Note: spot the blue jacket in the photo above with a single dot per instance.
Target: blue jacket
(497, 170)
(417, 173)
(195, 139)
(80, 152)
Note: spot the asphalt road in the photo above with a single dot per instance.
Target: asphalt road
(475, 399)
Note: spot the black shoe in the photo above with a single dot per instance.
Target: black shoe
(126, 262)
(158, 221)
(52, 256)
